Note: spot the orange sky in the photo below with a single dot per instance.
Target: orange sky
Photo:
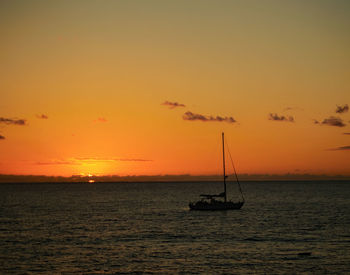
(89, 79)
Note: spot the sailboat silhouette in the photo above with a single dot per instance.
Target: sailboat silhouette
(210, 202)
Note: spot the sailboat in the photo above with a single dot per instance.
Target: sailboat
(219, 201)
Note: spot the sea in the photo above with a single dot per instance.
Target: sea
(147, 227)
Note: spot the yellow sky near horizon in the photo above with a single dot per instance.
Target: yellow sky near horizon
(100, 71)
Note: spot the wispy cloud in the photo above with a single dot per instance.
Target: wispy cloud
(101, 119)
(2, 137)
(342, 109)
(341, 148)
(95, 159)
(42, 116)
(92, 159)
(86, 160)
(293, 108)
(276, 117)
(346, 133)
(173, 105)
(126, 159)
(58, 162)
(11, 121)
(331, 121)
(191, 116)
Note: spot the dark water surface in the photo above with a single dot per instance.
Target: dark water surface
(147, 228)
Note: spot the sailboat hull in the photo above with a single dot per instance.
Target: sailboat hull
(216, 205)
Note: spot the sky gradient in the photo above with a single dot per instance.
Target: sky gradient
(147, 87)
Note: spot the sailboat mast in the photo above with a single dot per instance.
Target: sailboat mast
(223, 164)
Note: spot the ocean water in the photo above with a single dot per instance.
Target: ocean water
(108, 228)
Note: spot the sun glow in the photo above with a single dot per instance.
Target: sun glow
(123, 103)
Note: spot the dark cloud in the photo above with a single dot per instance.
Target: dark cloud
(342, 109)
(192, 116)
(342, 148)
(42, 116)
(316, 121)
(2, 137)
(276, 117)
(173, 105)
(12, 121)
(333, 121)
(346, 133)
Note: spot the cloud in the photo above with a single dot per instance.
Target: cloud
(123, 159)
(101, 119)
(42, 116)
(333, 121)
(95, 159)
(293, 108)
(12, 121)
(191, 116)
(173, 105)
(342, 148)
(87, 160)
(58, 162)
(92, 159)
(2, 137)
(342, 109)
(276, 117)
(346, 133)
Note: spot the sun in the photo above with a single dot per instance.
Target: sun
(90, 180)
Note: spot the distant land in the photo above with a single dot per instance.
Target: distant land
(166, 178)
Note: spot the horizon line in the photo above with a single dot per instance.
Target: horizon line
(18, 178)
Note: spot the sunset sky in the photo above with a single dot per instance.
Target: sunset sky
(147, 87)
